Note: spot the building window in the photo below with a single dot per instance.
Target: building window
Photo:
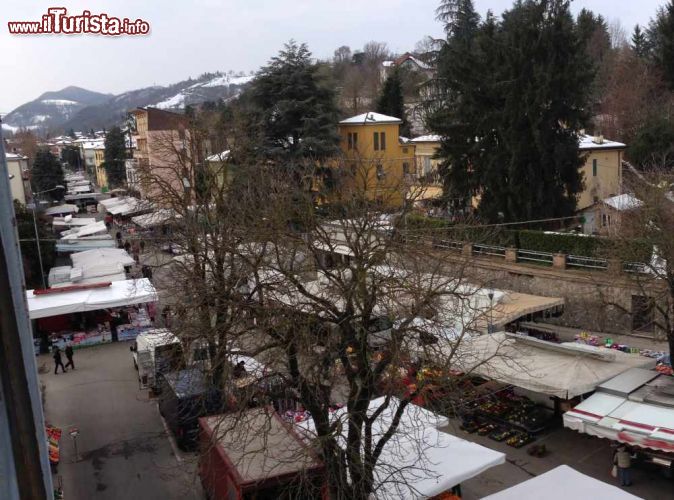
(605, 220)
(594, 168)
(376, 141)
(352, 139)
(382, 141)
(406, 168)
(405, 151)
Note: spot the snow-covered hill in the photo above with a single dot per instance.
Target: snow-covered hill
(81, 109)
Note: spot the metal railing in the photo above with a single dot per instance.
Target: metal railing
(447, 244)
(497, 251)
(586, 262)
(533, 256)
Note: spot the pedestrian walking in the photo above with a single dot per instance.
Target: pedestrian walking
(623, 461)
(69, 355)
(58, 361)
(127, 246)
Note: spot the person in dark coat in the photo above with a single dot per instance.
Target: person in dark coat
(58, 361)
(69, 355)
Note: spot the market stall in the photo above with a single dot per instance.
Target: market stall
(562, 483)
(92, 266)
(62, 209)
(635, 408)
(93, 314)
(563, 370)
(425, 460)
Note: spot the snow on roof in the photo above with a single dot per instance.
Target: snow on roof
(218, 156)
(370, 118)
(387, 64)
(427, 138)
(623, 202)
(590, 142)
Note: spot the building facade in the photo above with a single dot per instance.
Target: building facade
(162, 155)
(602, 170)
(19, 179)
(379, 165)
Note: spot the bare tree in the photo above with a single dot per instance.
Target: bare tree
(646, 245)
(332, 298)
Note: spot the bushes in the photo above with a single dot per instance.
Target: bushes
(539, 241)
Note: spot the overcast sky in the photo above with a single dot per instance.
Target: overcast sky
(190, 37)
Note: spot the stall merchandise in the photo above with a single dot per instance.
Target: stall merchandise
(81, 339)
(53, 445)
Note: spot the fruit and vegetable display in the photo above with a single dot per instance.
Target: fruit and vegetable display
(53, 439)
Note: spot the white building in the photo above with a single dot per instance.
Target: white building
(19, 181)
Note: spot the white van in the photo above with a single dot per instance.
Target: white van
(155, 352)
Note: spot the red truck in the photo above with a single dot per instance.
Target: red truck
(255, 455)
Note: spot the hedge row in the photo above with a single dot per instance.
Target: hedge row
(540, 241)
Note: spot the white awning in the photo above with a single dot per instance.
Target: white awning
(423, 460)
(558, 370)
(562, 483)
(110, 202)
(75, 233)
(153, 219)
(118, 294)
(62, 209)
(61, 222)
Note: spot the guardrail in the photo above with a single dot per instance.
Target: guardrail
(489, 250)
(586, 262)
(560, 261)
(534, 256)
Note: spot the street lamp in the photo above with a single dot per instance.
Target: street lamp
(37, 235)
(490, 326)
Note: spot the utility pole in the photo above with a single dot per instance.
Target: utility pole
(24, 462)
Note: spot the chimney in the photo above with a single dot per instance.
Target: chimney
(598, 139)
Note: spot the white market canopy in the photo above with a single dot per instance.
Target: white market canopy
(640, 415)
(561, 370)
(111, 202)
(86, 243)
(88, 230)
(153, 219)
(418, 461)
(62, 209)
(562, 483)
(69, 221)
(118, 294)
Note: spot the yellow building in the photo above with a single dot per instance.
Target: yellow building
(379, 164)
(602, 171)
(101, 174)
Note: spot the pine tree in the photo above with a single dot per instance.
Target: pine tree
(661, 38)
(515, 94)
(391, 101)
(47, 173)
(295, 108)
(71, 133)
(639, 42)
(114, 157)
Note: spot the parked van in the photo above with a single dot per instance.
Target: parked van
(155, 352)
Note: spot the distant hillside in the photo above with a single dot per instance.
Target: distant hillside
(52, 109)
(81, 109)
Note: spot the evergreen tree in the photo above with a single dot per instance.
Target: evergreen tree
(593, 33)
(114, 157)
(295, 108)
(391, 101)
(26, 232)
(71, 133)
(653, 145)
(71, 156)
(661, 40)
(47, 173)
(639, 42)
(452, 113)
(515, 93)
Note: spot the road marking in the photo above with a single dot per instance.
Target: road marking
(169, 434)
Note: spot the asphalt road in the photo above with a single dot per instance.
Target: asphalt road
(124, 451)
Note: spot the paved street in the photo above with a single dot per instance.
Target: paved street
(123, 447)
(587, 454)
